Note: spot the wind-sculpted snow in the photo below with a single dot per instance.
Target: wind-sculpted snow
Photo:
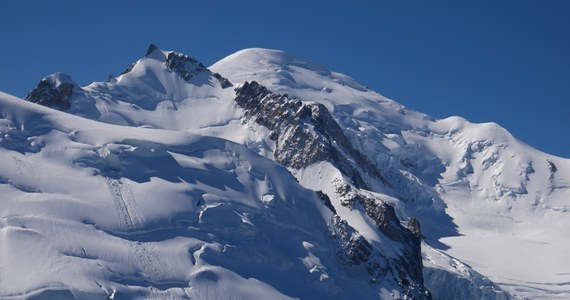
(92, 210)
(303, 134)
(449, 278)
(473, 187)
(386, 177)
(306, 134)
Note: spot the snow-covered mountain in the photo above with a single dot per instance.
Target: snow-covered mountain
(481, 195)
(266, 177)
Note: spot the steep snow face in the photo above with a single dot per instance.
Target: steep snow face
(286, 74)
(306, 135)
(449, 278)
(372, 123)
(135, 213)
(472, 186)
(169, 75)
(481, 195)
(164, 89)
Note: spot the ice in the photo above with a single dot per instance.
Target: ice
(477, 190)
(156, 186)
(101, 210)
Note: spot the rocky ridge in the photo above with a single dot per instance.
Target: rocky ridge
(306, 134)
(54, 91)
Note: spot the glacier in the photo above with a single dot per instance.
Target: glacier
(268, 176)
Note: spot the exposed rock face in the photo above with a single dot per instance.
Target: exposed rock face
(354, 249)
(415, 227)
(305, 133)
(184, 65)
(384, 216)
(151, 49)
(188, 67)
(553, 169)
(223, 81)
(326, 201)
(53, 91)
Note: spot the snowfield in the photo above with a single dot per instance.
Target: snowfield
(98, 210)
(508, 201)
(158, 184)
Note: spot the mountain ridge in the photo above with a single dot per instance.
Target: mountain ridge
(428, 166)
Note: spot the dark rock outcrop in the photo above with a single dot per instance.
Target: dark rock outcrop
(354, 250)
(225, 83)
(184, 65)
(53, 91)
(151, 49)
(326, 201)
(305, 133)
(128, 69)
(385, 218)
(188, 67)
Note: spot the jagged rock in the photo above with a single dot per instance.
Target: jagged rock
(552, 167)
(53, 91)
(151, 49)
(415, 227)
(225, 83)
(354, 249)
(326, 201)
(186, 66)
(386, 220)
(129, 68)
(283, 117)
(305, 133)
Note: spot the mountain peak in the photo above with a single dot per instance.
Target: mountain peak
(377, 168)
(284, 72)
(54, 91)
(184, 65)
(275, 58)
(151, 49)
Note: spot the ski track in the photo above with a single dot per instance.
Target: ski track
(124, 203)
(26, 169)
(152, 263)
(149, 259)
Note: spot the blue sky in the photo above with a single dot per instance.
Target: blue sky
(501, 61)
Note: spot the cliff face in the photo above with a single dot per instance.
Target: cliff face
(378, 168)
(306, 134)
(54, 91)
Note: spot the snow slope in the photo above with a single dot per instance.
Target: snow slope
(93, 210)
(493, 211)
(138, 96)
(508, 203)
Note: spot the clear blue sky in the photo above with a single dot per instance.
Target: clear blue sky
(501, 61)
